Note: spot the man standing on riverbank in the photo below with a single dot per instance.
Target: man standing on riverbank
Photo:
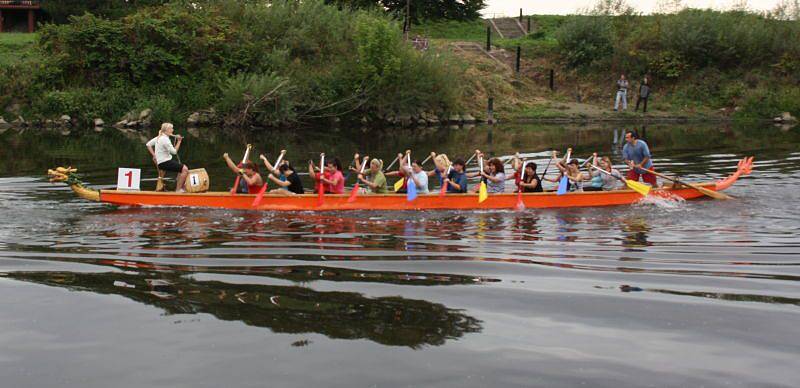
(636, 154)
(644, 94)
(622, 93)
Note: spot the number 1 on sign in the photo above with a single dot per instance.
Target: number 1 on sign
(128, 178)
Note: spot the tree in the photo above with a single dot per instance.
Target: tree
(59, 11)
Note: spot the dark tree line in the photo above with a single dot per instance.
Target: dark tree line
(58, 11)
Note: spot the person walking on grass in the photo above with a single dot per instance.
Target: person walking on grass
(622, 93)
(644, 94)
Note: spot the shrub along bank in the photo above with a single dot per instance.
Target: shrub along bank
(284, 63)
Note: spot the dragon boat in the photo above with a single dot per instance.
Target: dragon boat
(434, 201)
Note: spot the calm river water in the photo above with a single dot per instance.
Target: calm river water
(689, 294)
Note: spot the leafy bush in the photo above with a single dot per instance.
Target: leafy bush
(83, 103)
(260, 98)
(770, 102)
(585, 40)
(667, 65)
(267, 63)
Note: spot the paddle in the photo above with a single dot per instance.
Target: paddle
(354, 194)
(470, 158)
(239, 177)
(426, 160)
(482, 194)
(399, 184)
(263, 190)
(392, 164)
(546, 168)
(564, 182)
(638, 187)
(520, 204)
(703, 190)
(321, 189)
(586, 161)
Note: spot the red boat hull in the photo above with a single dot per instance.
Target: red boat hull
(388, 201)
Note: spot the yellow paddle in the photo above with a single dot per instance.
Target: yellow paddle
(701, 189)
(638, 187)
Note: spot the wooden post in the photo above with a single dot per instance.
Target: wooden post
(489, 38)
(30, 21)
(407, 28)
(490, 111)
(529, 24)
(1, 20)
(520, 15)
(552, 84)
(519, 53)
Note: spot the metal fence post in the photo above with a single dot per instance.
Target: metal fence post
(490, 110)
(488, 38)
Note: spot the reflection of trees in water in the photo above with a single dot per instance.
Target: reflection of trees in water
(204, 147)
(732, 297)
(526, 228)
(634, 232)
(392, 321)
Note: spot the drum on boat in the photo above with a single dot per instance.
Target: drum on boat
(197, 181)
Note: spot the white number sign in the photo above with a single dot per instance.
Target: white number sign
(194, 180)
(128, 178)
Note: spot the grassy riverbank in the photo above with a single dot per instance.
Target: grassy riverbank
(243, 63)
(298, 64)
(702, 63)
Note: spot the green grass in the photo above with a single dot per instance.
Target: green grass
(541, 42)
(16, 48)
(473, 30)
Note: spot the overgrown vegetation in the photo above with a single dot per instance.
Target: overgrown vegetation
(698, 60)
(282, 63)
(716, 58)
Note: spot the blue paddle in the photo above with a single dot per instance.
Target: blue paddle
(562, 185)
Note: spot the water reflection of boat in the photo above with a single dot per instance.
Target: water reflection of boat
(394, 321)
(395, 201)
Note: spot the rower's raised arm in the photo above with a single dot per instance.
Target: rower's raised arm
(269, 165)
(231, 164)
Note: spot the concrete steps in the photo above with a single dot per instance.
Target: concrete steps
(507, 27)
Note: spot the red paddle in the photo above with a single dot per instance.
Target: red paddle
(354, 193)
(263, 190)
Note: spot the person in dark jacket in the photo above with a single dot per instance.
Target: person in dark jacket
(644, 94)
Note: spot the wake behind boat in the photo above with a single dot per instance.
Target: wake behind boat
(334, 202)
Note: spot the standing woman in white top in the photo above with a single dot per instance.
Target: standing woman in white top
(162, 150)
